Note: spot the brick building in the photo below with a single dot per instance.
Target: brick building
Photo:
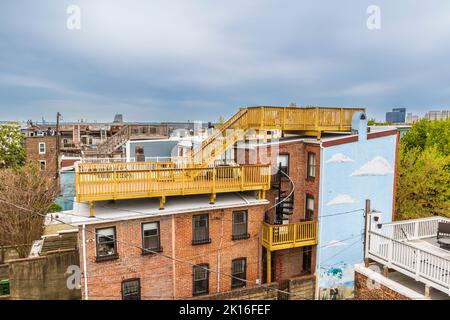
(187, 235)
(208, 247)
(42, 151)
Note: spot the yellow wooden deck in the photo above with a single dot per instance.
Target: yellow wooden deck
(305, 120)
(139, 180)
(286, 236)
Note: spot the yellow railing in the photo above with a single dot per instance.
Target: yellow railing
(309, 120)
(141, 180)
(292, 235)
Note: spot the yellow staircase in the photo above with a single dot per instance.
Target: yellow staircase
(306, 120)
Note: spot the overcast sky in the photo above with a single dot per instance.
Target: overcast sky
(197, 60)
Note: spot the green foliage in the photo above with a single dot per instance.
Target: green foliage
(423, 182)
(426, 133)
(54, 207)
(12, 151)
(373, 122)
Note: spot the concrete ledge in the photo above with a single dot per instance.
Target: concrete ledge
(388, 283)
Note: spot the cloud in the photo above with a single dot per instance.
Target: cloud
(339, 158)
(378, 166)
(209, 58)
(341, 199)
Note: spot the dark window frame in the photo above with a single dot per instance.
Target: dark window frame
(288, 163)
(114, 256)
(159, 248)
(242, 235)
(236, 283)
(309, 166)
(205, 266)
(128, 281)
(309, 214)
(206, 239)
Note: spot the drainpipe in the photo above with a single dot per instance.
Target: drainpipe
(86, 296)
(317, 272)
(218, 254)
(174, 274)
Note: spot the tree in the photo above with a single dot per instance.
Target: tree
(12, 151)
(25, 195)
(423, 187)
(427, 133)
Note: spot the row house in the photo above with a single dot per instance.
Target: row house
(278, 209)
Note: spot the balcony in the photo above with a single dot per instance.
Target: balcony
(411, 248)
(292, 235)
(130, 180)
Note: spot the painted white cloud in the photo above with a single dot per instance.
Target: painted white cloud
(335, 243)
(378, 166)
(339, 158)
(341, 199)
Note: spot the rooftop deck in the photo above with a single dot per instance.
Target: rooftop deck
(410, 248)
(113, 181)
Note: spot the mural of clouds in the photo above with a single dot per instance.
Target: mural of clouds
(339, 158)
(378, 166)
(341, 199)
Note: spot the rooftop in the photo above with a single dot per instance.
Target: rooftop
(108, 211)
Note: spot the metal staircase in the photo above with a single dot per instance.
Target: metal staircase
(110, 145)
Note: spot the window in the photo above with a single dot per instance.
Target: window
(131, 289)
(150, 237)
(239, 272)
(42, 165)
(240, 224)
(311, 170)
(307, 258)
(309, 207)
(200, 279)
(283, 162)
(106, 243)
(41, 147)
(200, 229)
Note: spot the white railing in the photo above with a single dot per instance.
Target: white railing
(389, 246)
(411, 229)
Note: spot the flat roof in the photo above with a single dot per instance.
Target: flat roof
(108, 211)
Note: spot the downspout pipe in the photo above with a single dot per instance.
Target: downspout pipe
(86, 294)
(322, 171)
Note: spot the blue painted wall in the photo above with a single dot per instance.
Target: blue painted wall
(67, 184)
(350, 174)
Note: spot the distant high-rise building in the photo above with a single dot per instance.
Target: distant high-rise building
(397, 115)
(438, 115)
(411, 118)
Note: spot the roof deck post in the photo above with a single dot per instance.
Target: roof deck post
(91, 209)
(162, 202)
(212, 198)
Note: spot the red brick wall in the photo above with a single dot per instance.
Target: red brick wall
(156, 272)
(288, 264)
(32, 150)
(362, 292)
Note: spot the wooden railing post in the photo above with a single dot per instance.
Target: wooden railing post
(389, 253)
(418, 257)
